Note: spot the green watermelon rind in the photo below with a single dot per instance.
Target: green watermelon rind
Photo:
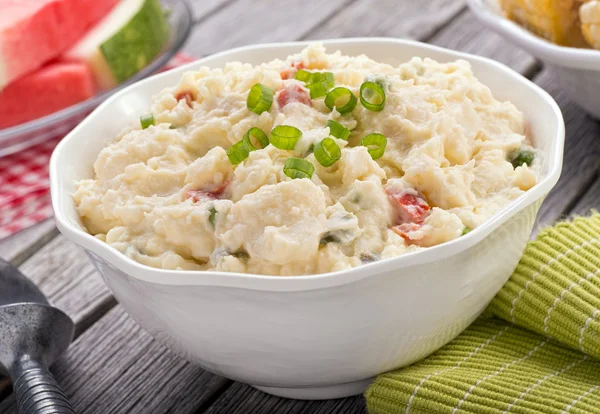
(138, 42)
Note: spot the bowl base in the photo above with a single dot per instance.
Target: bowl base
(347, 389)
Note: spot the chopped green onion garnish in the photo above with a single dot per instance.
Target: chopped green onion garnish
(256, 135)
(318, 83)
(342, 99)
(146, 120)
(238, 152)
(317, 90)
(379, 79)
(338, 130)
(327, 77)
(303, 75)
(327, 152)
(260, 98)
(298, 168)
(313, 77)
(375, 144)
(522, 157)
(285, 137)
(212, 215)
(466, 230)
(372, 96)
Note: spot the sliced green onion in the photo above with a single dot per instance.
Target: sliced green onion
(343, 94)
(318, 83)
(375, 144)
(146, 120)
(285, 137)
(298, 168)
(522, 157)
(258, 136)
(379, 79)
(329, 78)
(327, 152)
(313, 77)
(466, 230)
(324, 77)
(372, 96)
(238, 152)
(338, 130)
(260, 98)
(317, 90)
(303, 75)
(212, 215)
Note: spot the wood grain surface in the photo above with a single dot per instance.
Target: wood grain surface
(20, 246)
(114, 366)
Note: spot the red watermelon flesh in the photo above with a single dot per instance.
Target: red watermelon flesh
(49, 89)
(35, 31)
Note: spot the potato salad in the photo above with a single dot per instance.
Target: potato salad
(313, 164)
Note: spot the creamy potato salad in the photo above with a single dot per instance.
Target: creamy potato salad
(312, 164)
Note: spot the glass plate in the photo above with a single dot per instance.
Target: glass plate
(24, 135)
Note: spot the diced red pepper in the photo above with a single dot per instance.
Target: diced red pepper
(293, 93)
(188, 96)
(289, 73)
(411, 208)
(197, 195)
(403, 229)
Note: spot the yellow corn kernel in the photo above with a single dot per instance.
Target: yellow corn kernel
(555, 20)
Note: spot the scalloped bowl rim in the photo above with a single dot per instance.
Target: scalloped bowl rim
(572, 57)
(304, 282)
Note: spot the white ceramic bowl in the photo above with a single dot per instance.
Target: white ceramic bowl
(320, 336)
(577, 70)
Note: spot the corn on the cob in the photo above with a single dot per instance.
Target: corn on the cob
(589, 14)
(555, 20)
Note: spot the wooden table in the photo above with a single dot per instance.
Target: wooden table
(113, 366)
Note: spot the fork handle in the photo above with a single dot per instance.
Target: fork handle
(36, 390)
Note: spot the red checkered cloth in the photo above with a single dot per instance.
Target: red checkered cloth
(25, 185)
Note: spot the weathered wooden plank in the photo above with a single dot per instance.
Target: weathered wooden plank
(466, 34)
(20, 246)
(582, 151)
(242, 399)
(257, 21)
(116, 367)
(590, 200)
(203, 9)
(65, 275)
(411, 19)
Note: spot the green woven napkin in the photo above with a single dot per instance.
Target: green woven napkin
(535, 349)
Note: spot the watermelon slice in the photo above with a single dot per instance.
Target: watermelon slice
(124, 42)
(49, 89)
(35, 31)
